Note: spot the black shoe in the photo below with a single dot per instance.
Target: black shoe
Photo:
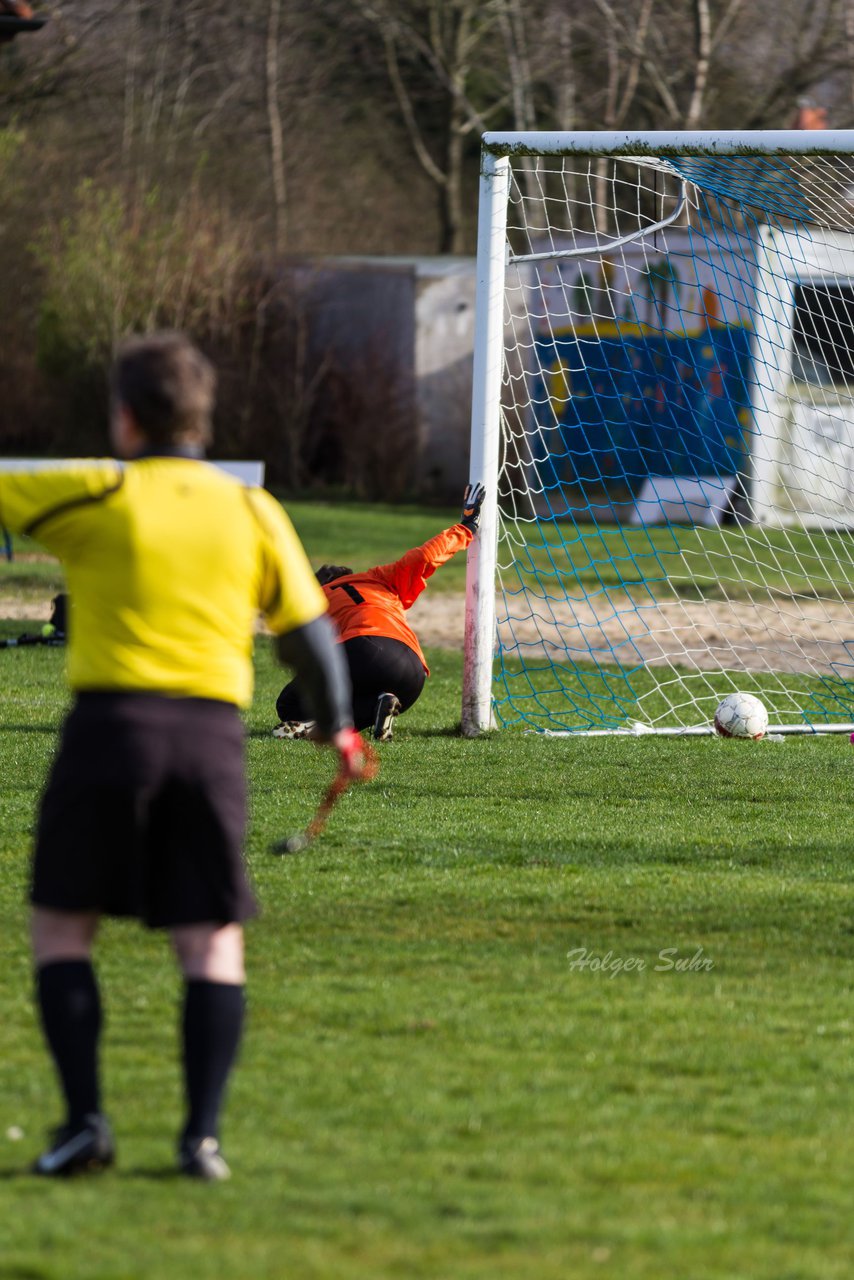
(86, 1147)
(202, 1158)
(388, 706)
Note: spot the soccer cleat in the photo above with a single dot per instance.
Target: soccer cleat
(202, 1158)
(293, 729)
(388, 706)
(86, 1147)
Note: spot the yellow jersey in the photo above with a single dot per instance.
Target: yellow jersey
(168, 563)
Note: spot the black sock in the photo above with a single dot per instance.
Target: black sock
(70, 1006)
(212, 1027)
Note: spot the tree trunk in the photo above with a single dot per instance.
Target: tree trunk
(277, 158)
(703, 25)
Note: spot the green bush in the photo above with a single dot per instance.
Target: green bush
(120, 264)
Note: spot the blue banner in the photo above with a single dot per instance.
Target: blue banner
(643, 403)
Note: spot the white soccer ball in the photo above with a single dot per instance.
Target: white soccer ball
(741, 715)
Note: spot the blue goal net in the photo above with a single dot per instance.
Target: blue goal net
(676, 482)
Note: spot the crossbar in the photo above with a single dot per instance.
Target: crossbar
(664, 142)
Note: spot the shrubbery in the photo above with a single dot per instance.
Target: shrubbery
(119, 263)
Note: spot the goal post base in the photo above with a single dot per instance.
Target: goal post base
(638, 730)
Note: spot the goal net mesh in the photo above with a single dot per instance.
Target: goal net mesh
(677, 462)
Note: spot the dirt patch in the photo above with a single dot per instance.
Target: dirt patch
(15, 608)
(792, 635)
(35, 557)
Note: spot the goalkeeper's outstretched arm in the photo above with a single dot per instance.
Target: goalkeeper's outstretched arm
(408, 575)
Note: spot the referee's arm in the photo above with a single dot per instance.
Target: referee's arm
(295, 609)
(312, 650)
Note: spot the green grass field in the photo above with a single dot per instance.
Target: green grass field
(434, 1083)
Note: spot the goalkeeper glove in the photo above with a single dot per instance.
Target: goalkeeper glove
(472, 503)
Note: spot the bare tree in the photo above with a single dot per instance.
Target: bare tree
(439, 39)
(808, 46)
(702, 62)
(747, 64)
(152, 91)
(274, 115)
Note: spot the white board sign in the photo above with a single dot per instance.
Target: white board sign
(251, 472)
(684, 500)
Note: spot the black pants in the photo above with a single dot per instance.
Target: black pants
(377, 665)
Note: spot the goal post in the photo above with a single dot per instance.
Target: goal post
(487, 375)
(663, 419)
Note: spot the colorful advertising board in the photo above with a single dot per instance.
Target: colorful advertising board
(643, 359)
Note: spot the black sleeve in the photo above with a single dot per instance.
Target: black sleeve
(315, 654)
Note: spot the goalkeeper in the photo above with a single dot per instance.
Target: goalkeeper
(387, 667)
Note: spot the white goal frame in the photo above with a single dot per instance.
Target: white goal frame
(488, 357)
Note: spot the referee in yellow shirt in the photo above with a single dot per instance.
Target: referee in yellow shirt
(168, 563)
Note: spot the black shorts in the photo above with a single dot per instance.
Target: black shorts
(377, 665)
(144, 812)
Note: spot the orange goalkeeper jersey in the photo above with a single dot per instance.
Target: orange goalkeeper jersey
(374, 603)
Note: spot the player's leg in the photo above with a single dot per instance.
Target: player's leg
(211, 960)
(294, 721)
(69, 1005)
(79, 829)
(195, 841)
(62, 935)
(387, 678)
(386, 710)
